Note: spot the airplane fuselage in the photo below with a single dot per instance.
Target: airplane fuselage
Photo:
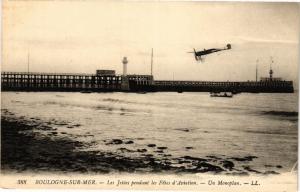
(208, 51)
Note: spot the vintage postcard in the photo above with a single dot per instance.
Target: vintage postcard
(149, 95)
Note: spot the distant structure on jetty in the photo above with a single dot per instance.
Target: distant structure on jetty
(107, 81)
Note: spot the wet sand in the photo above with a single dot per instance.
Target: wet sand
(34, 146)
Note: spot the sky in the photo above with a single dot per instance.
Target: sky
(82, 36)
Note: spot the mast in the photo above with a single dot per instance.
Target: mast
(271, 71)
(256, 72)
(28, 62)
(151, 61)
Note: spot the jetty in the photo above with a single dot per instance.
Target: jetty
(24, 81)
(108, 81)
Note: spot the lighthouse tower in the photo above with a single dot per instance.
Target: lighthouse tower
(125, 82)
(124, 61)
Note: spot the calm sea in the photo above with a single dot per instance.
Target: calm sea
(193, 124)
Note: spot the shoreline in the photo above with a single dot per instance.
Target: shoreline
(26, 149)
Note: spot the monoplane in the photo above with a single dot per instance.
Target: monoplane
(199, 54)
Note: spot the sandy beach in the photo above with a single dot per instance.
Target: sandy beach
(30, 145)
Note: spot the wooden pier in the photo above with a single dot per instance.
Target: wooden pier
(227, 86)
(22, 81)
(58, 82)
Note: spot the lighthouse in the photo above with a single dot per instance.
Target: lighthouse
(124, 61)
(125, 81)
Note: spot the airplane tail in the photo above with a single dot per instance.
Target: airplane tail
(228, 46)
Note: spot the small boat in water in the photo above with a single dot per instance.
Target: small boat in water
(221, 94)
(85, 92)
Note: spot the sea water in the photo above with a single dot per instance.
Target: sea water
(192, 124)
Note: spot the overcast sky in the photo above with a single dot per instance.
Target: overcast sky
(82, 36)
